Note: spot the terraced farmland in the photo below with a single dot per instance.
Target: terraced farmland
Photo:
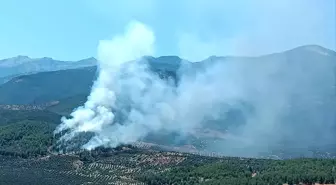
(118, 169)
(140, 167)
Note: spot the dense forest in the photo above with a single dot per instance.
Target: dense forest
(248, 171)
(28, 136)
(26, 133)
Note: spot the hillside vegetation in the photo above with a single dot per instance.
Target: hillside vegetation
(26, 133)
(140, 167)
(47, 86)
(27, 151)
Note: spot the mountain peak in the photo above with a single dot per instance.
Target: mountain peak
(46, 58)
(9, 62)
(21, 57)
(172, 57)
(315, 48)
(17, 58)
(88, 59)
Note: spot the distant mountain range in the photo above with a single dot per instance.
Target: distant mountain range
(23, 65)
(61, 80)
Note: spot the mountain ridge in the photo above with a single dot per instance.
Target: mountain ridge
(169, 65)
(22, 65)
(312, 47)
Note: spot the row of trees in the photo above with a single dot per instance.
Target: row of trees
(248, 171)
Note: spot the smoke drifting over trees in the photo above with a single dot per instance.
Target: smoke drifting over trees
(283, 100)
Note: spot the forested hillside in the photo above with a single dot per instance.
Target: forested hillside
(140, 167)
(47, 86)
(28, 150)
(27, 133)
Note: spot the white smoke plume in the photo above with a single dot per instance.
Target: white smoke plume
(97, 114)
(145, 103)
(277, 95)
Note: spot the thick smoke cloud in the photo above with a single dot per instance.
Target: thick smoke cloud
(256, 104)
(97, 113)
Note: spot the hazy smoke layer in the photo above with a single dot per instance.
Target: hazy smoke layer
(265, 103)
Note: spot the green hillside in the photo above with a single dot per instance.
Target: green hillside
(141, 167)
(67, 105)
(25, 145)
(26, 133)
(13, 116)
(47, 86)
(26, 141)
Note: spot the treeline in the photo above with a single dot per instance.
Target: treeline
(102, 152)
(26, 133)
(26, 138)
(248, 171)
(13, 116)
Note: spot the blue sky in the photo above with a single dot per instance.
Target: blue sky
(193, 29)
